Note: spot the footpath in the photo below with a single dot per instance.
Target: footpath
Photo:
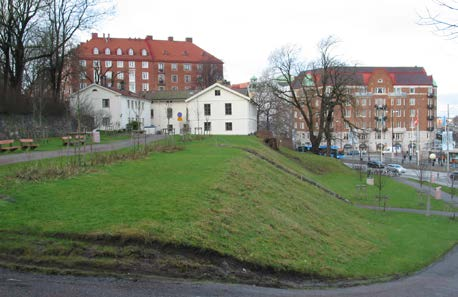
(37, 155)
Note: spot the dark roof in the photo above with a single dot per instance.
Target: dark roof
(400, 75)
(169, 95)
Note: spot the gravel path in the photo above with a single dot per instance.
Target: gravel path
(32, 156)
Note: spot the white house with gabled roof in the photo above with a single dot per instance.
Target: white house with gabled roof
(222, 111)
(111, 109)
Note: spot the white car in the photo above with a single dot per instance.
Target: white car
(396, 168)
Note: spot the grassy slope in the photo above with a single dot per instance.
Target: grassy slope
(224, 199)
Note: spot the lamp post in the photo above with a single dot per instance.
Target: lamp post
(432, 157)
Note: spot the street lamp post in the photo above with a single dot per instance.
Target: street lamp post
(432, 157)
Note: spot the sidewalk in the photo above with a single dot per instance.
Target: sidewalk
(36, 155)
(409, 210)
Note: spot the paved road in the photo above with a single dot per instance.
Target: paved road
(440, 280)
(31, 156)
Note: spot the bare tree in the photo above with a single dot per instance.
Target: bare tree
(208, 75)
(443, 17)
(315, 90)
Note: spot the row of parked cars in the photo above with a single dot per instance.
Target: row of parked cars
(396, 168)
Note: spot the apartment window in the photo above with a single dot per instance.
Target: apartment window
(187, 79)
(200, 67)
(187, 67)
(412, 101)
(83, 63)
(83, 75)
(120, 64)
(119, 86)
(109, 74)
(132, 75)
(228, 126)
(228, 108)
(83, 85)
(160, 67)
(145, 75)
(96, 63)
(96, 51)
(131, 64)
(380, 90)
(161, 78)
(108, 64)
(174, 78)
(144, 52)
(397, 90)
(174, 88)
(347, 113)
(119, 52)
(412, 90)
(217, 92)
(120, 75)
(174, 67)
(169, 112)
(302, 125)
(161, 88)
(207, 109)
(380, 80)
(364, 102)
(144, 64)
(399, 101)
(412, 113)
(145, 87)
(105, 103)
(132, 87)
(130, 52)
(107, 51)
(207, 126)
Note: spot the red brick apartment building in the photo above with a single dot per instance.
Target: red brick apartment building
(394, 106)
(141, 65)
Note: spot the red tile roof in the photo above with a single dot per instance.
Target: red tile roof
(157, 50)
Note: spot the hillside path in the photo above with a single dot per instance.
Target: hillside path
(37, 155)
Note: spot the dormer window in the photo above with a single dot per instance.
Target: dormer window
(131, 52)
(144, 52)
(119, 52)
(107, 51)
(96, 51)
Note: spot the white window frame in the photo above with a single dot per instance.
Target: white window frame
(187, 79)
(145, 75)
(108, 63)
(187, 67)
(131, 64)
(145, 64)
(120, 64)
(95, 51)
(174, 66)
(130, 52)
(107, 51)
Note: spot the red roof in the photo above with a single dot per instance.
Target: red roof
(240, 85)
(157, 50)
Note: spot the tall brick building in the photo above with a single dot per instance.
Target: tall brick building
(394, 107)
(141, 65)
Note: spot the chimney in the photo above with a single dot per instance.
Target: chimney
(170, 38)
(108, 36)
(95, 35)
(149, 37)
(189, 39)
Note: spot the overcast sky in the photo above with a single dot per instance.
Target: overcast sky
(244, 33)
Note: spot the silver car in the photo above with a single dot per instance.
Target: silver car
(396, 168)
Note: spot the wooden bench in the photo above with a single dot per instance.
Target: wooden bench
(67, 140)
(79, 139)
(7, 145)
(28, 143)
(73, 140)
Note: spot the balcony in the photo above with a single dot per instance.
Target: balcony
(380, 107)
(430, 106)
(430, 118)
(431, 95)
(161, 82)
(401, 94)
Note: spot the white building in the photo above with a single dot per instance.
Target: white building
(216, 110)
(111, 109)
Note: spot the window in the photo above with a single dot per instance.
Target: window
(174, 88)
(228, 126)
(145, 75)
(109, 74)
(412, 101)
(364, 102)
(83, 75)
(144, 52)
(132, 86)
(187, 67)
(380, 90)
(107, 51)
(412, 90)
(96, 51)
(207, 126)
(131, 64)
(217, 92)
(108, 64)
(200, 67)
(412, 113)
(399, 101)
(207, 109)
(397, 90)
(228, 108)
(120, 75)
(105, 103)
(131, 52)
(145, 87)
(174, 67)
(187, 79)
(152, 113)
(96, 63)
(83, 63)
(380, 80)
(132, 75)
(160, 67)
(120, 64)
(174, 78)
(144, 64)
(347, 113)
(161, 88)
(128, 103)
(119, 52)
(161, 79)
(169, 112)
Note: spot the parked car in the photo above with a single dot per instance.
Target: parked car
(454, 175)
(396, 168)
(375, 164)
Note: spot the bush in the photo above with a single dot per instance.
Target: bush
(134, 125)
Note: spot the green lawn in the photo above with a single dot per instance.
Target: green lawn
(215, 196)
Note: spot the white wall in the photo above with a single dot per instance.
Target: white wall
(160, 119)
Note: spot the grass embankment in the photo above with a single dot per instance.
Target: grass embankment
(213, 196)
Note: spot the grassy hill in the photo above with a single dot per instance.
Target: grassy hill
(213, 198)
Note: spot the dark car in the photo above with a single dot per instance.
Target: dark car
(375, 164)
(454, 175)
